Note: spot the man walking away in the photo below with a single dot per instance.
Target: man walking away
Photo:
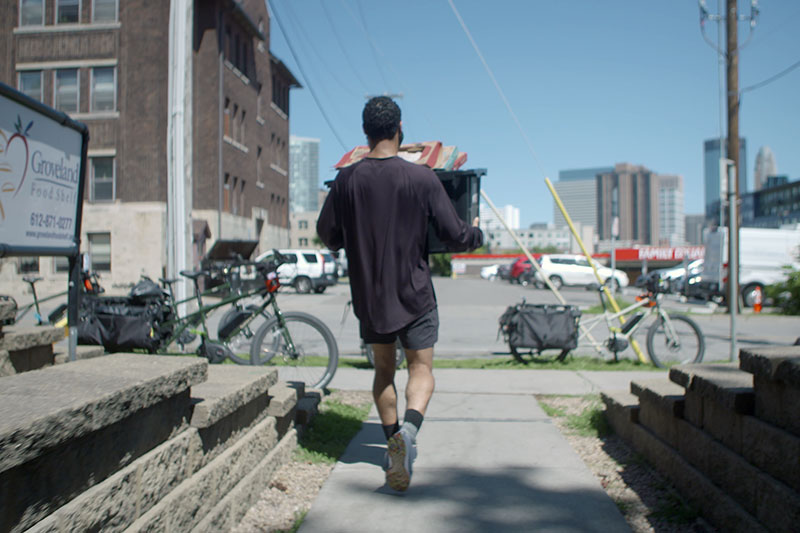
(378, 210)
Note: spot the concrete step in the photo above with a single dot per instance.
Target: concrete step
(622, 411)
(231, 509)
(715, 505)
(231, 406)
(776, 384)
(661, 404)
(23, 349)
(194, 498)
(717, 399)
(66, 428)
(61, 355)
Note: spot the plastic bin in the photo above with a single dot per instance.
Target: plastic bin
(464, 189)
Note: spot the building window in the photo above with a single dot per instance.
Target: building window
(302, 224)
(100, 251)
(28, 264)
(61, 263)
(31, 12)
(103, 89)
(68, 11)
(235, 195)
(66, 90)
(226, 120)
(280, 94)
(104, 11)
(102, 179)
(302, 241)
(241, 127)
(226, 194)
(30, 83)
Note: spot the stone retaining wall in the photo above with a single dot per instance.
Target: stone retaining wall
(728, 436)
(139, 442)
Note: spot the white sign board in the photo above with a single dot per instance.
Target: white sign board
(40, 178)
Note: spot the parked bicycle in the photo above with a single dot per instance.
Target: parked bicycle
(90, 285)
(672, 338)
(299, 344)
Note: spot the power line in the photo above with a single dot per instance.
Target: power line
(769, 80)
(372, 45)
(294, 19)
(497, 85)
(308, 80)
(342, 47)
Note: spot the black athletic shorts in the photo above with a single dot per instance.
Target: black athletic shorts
(420, 334)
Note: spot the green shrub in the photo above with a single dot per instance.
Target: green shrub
(786, 294)
(440, 264)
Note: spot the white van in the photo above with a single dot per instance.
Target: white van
(763, 254)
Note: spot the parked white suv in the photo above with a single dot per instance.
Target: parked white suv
(568, 269)
(306, 270)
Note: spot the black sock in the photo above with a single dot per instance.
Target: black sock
(414, 417)
(391, 429)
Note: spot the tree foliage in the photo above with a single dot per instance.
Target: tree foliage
(786, 294)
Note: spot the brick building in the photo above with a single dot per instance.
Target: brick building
(106, 63)
(629, 192)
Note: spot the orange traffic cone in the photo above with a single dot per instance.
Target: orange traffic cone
(757, 300)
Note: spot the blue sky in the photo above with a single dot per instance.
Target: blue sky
(591, 83)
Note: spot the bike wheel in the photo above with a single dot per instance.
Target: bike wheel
(674, 342)
(315, 354)
(400, 354)
(241, 344)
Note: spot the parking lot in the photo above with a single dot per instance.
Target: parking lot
(470, 307)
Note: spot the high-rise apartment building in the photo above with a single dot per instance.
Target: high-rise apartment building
(106, 64)
(713, 188)
(303, 174)
(629, 192)
(672, 222)
(577, 191)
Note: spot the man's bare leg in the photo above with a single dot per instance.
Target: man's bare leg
(420, 379)
(383, 390)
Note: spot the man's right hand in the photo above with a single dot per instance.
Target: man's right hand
(475, 221)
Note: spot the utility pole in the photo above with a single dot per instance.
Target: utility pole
(732, 67)
(731, 55)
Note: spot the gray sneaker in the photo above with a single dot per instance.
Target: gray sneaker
(399, 460)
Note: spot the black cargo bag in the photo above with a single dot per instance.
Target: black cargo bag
(118, 324)
(541, 327)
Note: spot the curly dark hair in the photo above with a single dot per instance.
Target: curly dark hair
(381, 118)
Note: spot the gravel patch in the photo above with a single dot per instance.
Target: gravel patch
(648, 501)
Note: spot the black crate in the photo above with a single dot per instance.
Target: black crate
(464, 189)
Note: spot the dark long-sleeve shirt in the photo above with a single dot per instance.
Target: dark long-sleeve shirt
(378, 210)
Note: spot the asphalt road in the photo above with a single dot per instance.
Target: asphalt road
(469, 309)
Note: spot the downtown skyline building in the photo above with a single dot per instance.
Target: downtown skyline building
(578, 192)
(303, 174)
(765, 167)
(629, 192)
(713, 187)
(672, 217)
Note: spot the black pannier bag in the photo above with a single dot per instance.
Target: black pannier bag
(541, 327)
(123, 323)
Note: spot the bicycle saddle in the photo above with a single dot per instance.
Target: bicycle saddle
(192, 274)
(169, 281)
(31, 279)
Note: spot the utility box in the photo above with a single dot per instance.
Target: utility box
(464, 189)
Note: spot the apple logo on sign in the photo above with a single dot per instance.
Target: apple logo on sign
(13, 161)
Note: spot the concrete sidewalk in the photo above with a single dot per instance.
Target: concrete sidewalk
(489, 460)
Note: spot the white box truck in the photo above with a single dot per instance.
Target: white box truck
(763, 255)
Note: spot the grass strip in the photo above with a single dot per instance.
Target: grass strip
(509, 363)
(330, 431)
